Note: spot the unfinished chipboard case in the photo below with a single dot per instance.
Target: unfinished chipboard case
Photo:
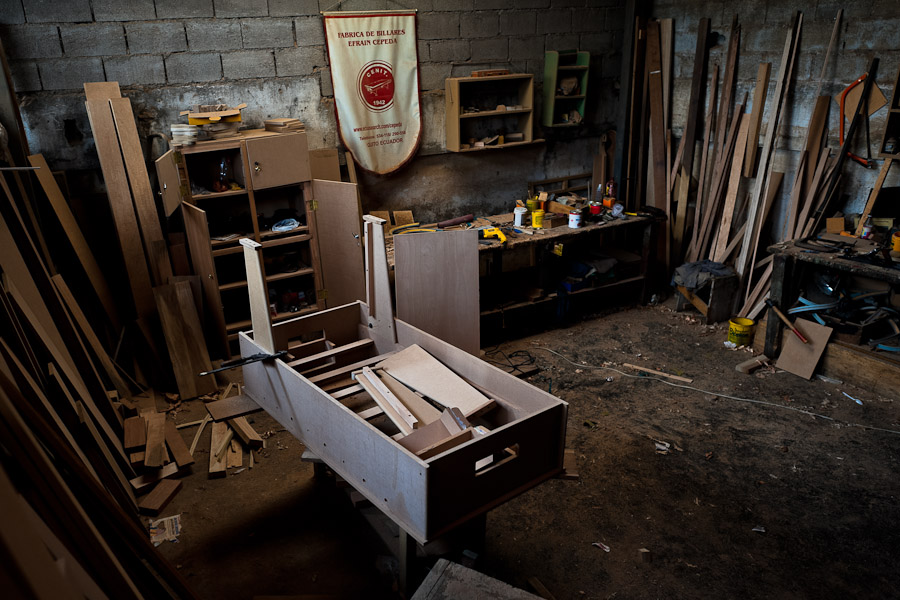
(427, 498)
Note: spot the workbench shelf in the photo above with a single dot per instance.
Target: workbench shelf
(479, 108)
(558, 107)
(273, 174)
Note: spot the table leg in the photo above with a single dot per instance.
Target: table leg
(407, 559)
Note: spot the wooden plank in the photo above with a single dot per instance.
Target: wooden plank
(811, 193)
(694, 104)
(260, 317)
(196, 231)
(352, 347)
(245, 432)
(228, 408)
(702, 187)
(693, 299)
(234, 456)
(734, 183)
(139, 180)
(184, 339)
(324, 164)
(102, 91)
(414, 367)
(142, 481)
(728, 77)
(756, 114)
(339, 236)
(346, 370)
(682, 186)
(154, 455)
(76, 237)
(219, 434)
(793, 207)
(393, 408)
(91, 337)
(348, 391)
(403, 217)
(666, 38)
(816, 134)
(378, 287)
(180, 452)
(161, 495)
(799, 358)
(661, 193)
(873, 196)
(659, 373)
(424, 412)
(107, 144)
(135, 433)
(436, 282)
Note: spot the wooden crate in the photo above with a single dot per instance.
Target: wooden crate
(427, 498)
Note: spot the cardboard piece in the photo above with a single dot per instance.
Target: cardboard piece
(851, 102)
(799, 358)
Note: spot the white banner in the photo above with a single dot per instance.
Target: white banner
(375, 74)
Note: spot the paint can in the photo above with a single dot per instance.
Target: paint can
(519, 215)
(740, 331)
(895, 241)
(537, 219)
(574, 220)
(532, 204)
(596, 208)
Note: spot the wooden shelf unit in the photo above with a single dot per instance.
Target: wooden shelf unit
(274, 174)
(558, 65)
(892, 123)
(485, 94)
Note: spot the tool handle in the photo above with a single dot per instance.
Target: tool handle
(786, 321)
(456, 221)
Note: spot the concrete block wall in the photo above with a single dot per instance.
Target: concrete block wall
(170, 54)
(867, 29)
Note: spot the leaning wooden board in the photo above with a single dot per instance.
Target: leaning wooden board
(425, 497)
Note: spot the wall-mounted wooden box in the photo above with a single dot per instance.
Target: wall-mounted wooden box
(425, 497)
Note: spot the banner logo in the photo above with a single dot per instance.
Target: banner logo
(375, 85)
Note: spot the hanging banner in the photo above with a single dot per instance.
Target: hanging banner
(375, 74)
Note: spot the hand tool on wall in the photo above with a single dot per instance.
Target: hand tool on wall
(784, 319)
(864, 107)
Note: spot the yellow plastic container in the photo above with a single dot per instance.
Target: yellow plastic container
(740, 331)
(895, 242)
(537, 219)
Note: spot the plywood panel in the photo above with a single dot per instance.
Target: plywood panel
(339, 236)
(436, 280)
(169, 182)
(278, 160)
(197, 232)
(324, 164)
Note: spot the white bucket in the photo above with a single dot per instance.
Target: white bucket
(519, 214)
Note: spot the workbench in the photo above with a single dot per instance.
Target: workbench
(789, 259)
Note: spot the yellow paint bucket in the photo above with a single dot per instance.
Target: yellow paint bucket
(537, 219)
(532, 204)
(740, 331)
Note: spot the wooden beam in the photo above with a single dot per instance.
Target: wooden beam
(756, 114)
(357, 346)
(734, 183)
(161, 495)
(245, 432)
(694, 104)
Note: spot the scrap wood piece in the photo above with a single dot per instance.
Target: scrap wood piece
(142, 481)
(76, 238)
(451, 430)
(799, 358)
(184, 339)
(351, 348)
(245, 431)
(155, 446)
(704, 162)
(234, 456)
(418, 406)
(734, 183)
(756, 115)
(135, 433)
(392, 407)
(660, 373)
(180, 452)
(694, 105)
(228, 408)
(196, 440)
(873, 196)
(218, 442)
(161, 495)
(414, 367)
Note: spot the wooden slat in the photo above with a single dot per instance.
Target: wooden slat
(219, 434)
(245, 432)
(816, 134)
(702, 186)
(234, 457)
(180, 452)
(154, 455)
(734, 183)
(107, 144)
(728, 76)
(879, 183)
(793, 208)
(236, 406)
(756, 114)
(346, 370)
(142, 481)
(139, 180)
(694, 104)
(822, 163)
(357, 346)
(135, 433)
(184, 339)
(196, 231)
(424, 412)
(260, 317)
(161, 495)
(394, 410)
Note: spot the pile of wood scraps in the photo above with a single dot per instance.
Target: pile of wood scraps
(284, 125)
(216, 121)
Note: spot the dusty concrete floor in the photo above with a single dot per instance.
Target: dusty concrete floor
(822, 494)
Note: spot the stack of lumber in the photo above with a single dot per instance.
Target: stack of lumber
(284, 125)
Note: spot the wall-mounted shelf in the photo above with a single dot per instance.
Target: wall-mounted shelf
(558, 107)
(892, 124)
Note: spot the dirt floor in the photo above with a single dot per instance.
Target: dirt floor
(750, 500)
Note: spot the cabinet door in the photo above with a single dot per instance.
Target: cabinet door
(196, 231)
(169, 182)
(338, 219)
(278, 160)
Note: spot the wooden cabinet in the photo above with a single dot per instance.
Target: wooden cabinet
(241, 187)
(498, 110)
(565, 87)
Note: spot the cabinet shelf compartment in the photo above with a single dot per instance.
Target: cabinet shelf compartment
(485, 94)
(206, 168)
(559, 66)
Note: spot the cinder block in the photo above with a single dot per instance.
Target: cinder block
(422, 50)
(489, 4)
(438, 26)
(611, 66)
(325, 84)
(213, 35)
(25, 76)
(420, 5)
(135, 70)
(293, 8)
(241, 8)
(310, 31)
(615, 19)
(518, 22)
(248, 64)
(117, 10)
(588, 20)
(491, 49)
(70, 73)
(597, 43)
(432, 76)
(479, 24)
(184, 9)
(51, 11)
(31, 41)
(450, 50)
(298, 61)
(267, 33)
(555, 21)
(573, 3)
(527, 48)
(12, 13)
(155, 38)
(451, 5)
(94, 39)
(188, 67)
(561, 41)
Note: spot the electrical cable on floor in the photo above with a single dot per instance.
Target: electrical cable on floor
(526, 359)
(736, 398)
